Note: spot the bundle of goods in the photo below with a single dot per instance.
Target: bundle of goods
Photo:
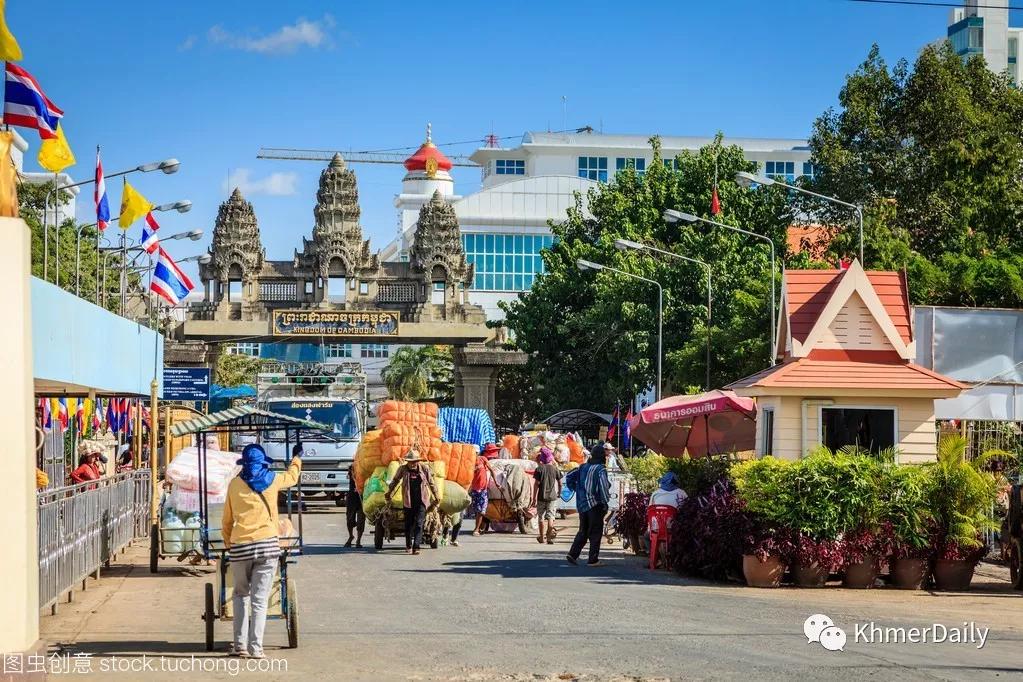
(567, 447)
(407, 425)
(374, 495)
(466, 425)
(183, 474)
(461, 461)
(511, 490)
(367, 458)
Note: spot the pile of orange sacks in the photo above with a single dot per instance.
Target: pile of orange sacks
(402, 426)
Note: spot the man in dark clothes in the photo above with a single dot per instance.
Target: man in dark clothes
(418, 491)
(592, 495)
(353, 509)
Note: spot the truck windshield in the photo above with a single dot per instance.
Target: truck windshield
(341, 415)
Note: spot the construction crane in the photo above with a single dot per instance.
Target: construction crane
(325, 155)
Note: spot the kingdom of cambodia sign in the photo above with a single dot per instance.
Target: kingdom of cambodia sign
(334, 323)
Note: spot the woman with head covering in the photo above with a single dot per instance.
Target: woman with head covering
(250, 526)
(88, 468)
(669, 493)
(546, 494)
(482, 471)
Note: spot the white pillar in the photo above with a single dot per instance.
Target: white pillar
(19, 571)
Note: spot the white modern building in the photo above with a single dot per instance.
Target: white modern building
(982, 28)
(506, 223)
(65, 209)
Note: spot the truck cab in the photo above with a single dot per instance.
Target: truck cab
(329, 394)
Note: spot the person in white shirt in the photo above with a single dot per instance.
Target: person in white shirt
(668, 493)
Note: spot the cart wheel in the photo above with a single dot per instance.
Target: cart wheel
(292, 621)
(154, 548)
(1015, 561)
(209, 617)
(434, 542)
(378, 534)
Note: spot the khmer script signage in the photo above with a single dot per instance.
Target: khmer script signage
(334, 323)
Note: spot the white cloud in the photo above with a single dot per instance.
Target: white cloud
(188, 43)
(285, 40)
(274, 185)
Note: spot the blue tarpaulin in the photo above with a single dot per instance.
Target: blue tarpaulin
(218, 392)
(466, 425)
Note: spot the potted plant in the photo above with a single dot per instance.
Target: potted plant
(908, 519)
(814, 560)
(706, 545)
(961, 494)
(766, 552)
(631, 519)
(863, 549)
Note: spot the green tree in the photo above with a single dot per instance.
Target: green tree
(593, 336)
(236, 370)
(420, 373)
(933, 154)
(62, 252)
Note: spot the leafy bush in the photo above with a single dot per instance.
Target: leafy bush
(906, 511)
(647, 470)
(698, 476)
(807, 551)
(960, 495)
(705, 539)
(631, 519)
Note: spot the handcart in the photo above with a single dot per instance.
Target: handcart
(283, 602)
(390, 524)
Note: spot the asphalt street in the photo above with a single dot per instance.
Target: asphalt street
(503, 607)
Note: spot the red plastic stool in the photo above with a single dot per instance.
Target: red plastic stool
(663, 513)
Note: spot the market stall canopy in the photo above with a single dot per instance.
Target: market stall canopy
(712, 423)
(584, 422)
(244, 417)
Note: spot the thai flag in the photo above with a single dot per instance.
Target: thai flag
(100, 196)
(97, 410)
(44, 405)
(80, 416)
(25, 104)
(169, 282)
(150, 242)
(62, 415)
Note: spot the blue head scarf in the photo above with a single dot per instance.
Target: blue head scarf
(255, 470)
(668, 482)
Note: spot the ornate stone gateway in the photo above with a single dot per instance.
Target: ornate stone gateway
(335, 287)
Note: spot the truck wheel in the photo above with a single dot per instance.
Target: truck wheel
(378, 535)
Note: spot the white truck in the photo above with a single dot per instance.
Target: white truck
(333, 394)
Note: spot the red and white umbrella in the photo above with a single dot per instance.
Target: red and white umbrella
(712, 423)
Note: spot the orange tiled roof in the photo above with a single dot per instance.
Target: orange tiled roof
(847, 374)
(813, 239)
(808, 292)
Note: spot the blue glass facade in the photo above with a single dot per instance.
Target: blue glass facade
(967, 36)
(505, 262)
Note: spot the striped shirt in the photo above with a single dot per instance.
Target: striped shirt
(592, 487)
(259, 549)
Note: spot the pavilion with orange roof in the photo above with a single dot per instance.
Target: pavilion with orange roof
(846, 374)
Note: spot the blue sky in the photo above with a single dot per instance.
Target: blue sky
(212, 82)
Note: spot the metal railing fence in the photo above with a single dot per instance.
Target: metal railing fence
(82, 526)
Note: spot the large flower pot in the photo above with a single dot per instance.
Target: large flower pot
(813, 575)
(953, 575)
(762, 573)
(862, 575)
(909, 574)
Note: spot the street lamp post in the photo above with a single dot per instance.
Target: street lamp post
(749, 179)
(587, 265)
(167, 166)
(181, 207)
(625, 244)
(124, 249)
(675, 216)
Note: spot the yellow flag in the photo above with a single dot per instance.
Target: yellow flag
(133, 206)
(10, 51)
(54, 154)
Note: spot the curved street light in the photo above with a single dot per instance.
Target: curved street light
(629, 245)
(673, 216)
(747, 180)
(588, 265)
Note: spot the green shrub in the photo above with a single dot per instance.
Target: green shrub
(698, 476)
(647, 470)
(961, 494)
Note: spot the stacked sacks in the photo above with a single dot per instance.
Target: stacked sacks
(367, 458)
(461, 461)
(374, 494)
(407, 425)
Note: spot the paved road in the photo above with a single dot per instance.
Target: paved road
(502, 607)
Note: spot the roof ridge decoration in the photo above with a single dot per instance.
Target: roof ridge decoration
(853, 280)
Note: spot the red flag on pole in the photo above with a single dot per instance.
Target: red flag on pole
(715, 203)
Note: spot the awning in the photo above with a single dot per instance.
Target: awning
(244, 417)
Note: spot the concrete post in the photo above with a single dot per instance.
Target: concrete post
(19, 571)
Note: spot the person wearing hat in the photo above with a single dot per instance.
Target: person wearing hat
(88, 468)
(609, 455)
(483, 470)
(250, 528)
(418, 491)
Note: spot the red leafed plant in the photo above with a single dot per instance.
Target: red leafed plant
(864, 542)
(631, 519)
(828, 554)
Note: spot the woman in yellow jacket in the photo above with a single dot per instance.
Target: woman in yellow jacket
(250, 534)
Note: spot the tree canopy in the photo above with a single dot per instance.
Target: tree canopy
(420, 373)
(933, 153)
(592, 337)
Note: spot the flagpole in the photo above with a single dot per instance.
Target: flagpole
(56, 232)
(124, 260)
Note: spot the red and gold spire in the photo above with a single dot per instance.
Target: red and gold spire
(428, 158)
